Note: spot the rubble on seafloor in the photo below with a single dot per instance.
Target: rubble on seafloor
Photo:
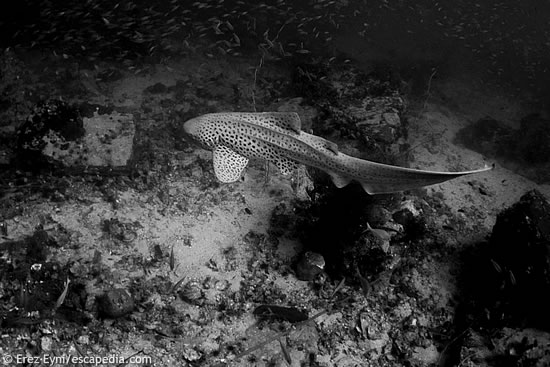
(504, 317)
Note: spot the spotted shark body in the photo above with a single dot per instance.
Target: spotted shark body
(234, 137)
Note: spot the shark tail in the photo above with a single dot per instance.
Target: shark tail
(377, 178)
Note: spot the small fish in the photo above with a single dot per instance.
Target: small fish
(172, 261)
(286, 354)
(380, 233)
(237, 39)
(365, 284)
(61, 298)
(234, 137)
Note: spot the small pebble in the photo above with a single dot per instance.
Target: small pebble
(310, 265)
(115, 303)
(46, 343)
(222, 285)
(192, 291)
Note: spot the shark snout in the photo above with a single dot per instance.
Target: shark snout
(191, 127)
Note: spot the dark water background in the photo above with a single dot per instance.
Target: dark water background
(506, 42)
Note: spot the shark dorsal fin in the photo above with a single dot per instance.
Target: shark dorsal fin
(339, 180)
(319, 143)
(333, 147)
(289, 122)
(286, 120)
(228, 165)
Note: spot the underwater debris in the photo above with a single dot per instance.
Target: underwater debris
(34, 292)
(121, 231)
(115, 303)
(191, 354)
(310, 265)
(157, 88)
(520, 245)
(57, 135)
(274, 312)
(192, 292)
(510, 346)
(4, 229)
(38, 244)
(52, 122)
(503, 280)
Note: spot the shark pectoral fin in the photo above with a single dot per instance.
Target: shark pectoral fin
(228, 165)
(285, 165)
(339, 180)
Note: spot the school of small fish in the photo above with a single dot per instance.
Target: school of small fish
(126, 29)
(505, 35)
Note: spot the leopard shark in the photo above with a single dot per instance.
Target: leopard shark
(235, 137)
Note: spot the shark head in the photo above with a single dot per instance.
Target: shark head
(202, 131)
(192, 127)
